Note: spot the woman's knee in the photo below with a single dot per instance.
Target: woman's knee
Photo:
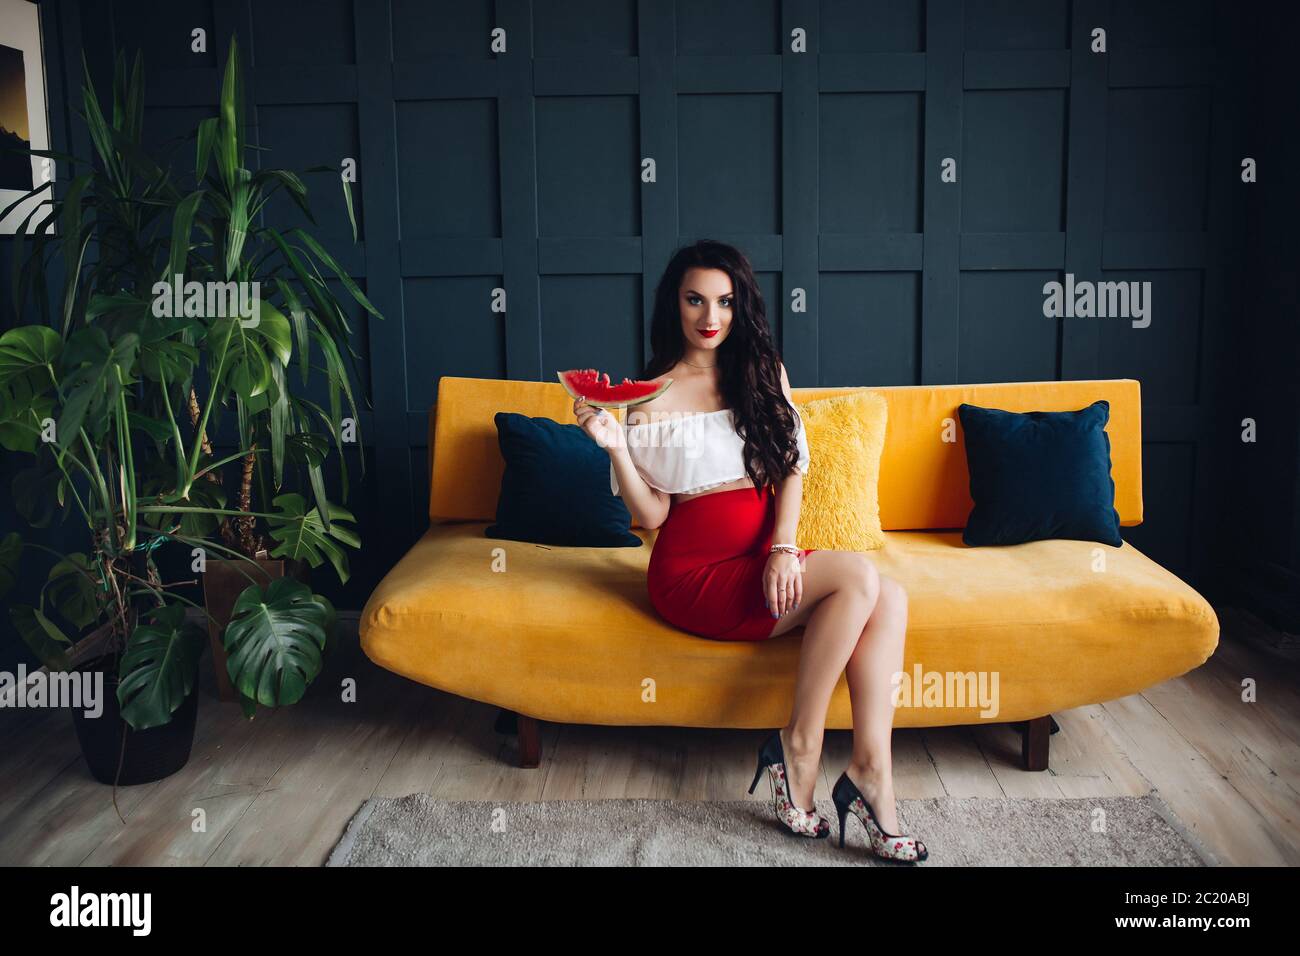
(892, 589)
(865, 579)
(892, 595)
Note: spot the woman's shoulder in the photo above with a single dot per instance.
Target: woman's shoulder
(657, 403)
(674, 402)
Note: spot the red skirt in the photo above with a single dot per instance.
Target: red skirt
(706, 570)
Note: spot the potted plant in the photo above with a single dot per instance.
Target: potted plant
(286, 520)
(65, 402)
(102, 397)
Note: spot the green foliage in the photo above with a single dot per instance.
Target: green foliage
(159, 668)
(41, 635)
(114, 394)
(71, 588)
(275, 641)
(299, 533)
(27, 357)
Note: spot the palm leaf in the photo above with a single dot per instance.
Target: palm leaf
(347, 201)
(325, 257)
(182, 223)
(279, 422)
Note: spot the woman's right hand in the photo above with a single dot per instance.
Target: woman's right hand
(600, 424)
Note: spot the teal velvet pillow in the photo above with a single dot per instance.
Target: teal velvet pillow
(1036, 475)
(555, 489)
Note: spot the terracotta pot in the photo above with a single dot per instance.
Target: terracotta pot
(223, 582)
(146, 755)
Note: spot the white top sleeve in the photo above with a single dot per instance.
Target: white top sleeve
(693, 452)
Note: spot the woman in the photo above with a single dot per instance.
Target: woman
(716, 463)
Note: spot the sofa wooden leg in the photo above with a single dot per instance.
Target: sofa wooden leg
(1035, 741)
(528, 730)
(507, 722)
(530, 742)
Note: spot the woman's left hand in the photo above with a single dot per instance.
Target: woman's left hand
(783, 582)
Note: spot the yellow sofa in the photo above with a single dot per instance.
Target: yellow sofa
(569, 634)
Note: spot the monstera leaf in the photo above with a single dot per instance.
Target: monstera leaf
(34, 490)
(194, 524)
(274, 642)
(301, 534)
(71, 590)
(158, 668)
(41, 635)
(29, 351)
(27, 354)
(23, 418)
(98, 370)
(245, 351)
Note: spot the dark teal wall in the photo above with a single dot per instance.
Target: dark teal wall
(521, 170)
(1257, 556)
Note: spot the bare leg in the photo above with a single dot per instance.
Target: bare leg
(845, 590)
(877, 658)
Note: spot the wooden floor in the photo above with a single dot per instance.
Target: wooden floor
(279, 789)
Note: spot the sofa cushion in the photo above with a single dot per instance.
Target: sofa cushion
(841, 507)
(1036, 475)
(569, 634)
(554, 490)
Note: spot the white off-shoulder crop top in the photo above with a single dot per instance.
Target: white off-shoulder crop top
(688, 452)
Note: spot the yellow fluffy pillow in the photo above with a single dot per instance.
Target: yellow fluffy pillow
(846, 435)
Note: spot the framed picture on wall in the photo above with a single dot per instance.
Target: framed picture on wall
(24, 123)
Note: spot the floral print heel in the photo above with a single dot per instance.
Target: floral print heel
(889, 846)
(796, 820)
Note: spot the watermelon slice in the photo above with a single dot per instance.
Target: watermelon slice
(597, 389)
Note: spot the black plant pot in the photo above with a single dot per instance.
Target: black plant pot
(149, 755)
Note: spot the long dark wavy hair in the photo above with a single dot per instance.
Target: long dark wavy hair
(748, 364)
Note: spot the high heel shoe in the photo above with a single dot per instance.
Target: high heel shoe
(888, 846)
(796, 820)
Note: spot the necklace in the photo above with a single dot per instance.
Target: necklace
(693, 365)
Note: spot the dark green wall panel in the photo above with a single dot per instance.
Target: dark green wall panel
(521, 172)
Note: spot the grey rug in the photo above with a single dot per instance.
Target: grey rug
(417, 830)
